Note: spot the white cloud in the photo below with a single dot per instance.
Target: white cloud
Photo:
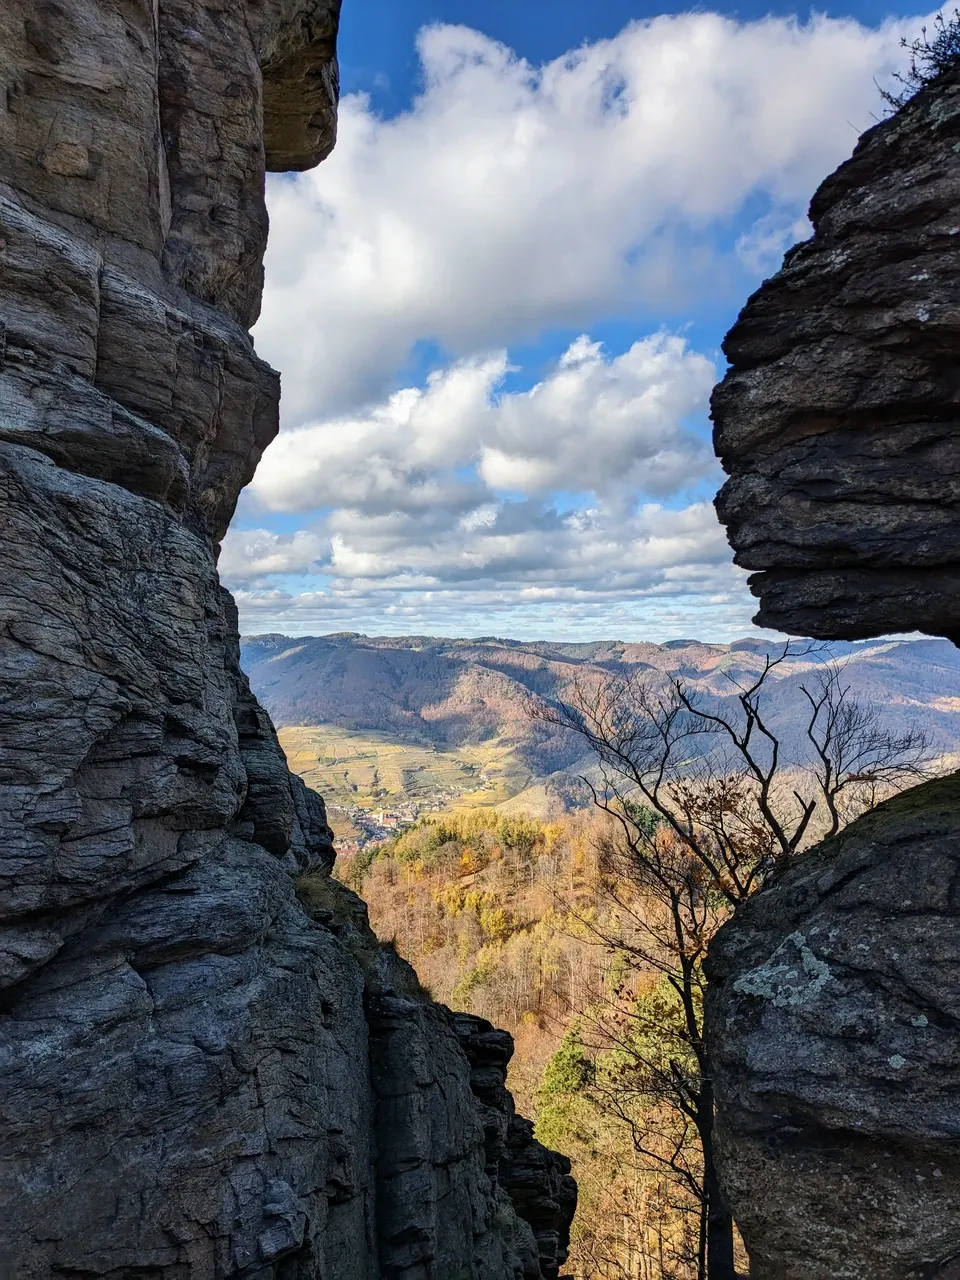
(594, 424)
(396, 455)
(762, 246)
(631, 177)
(534, 548)
(250, 555)
(511, 197)
(522, 556)
(720, 614)
(448, 491)
(599, 424)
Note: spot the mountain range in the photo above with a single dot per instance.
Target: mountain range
(417, 701)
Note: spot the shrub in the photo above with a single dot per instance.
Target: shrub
(930, 58)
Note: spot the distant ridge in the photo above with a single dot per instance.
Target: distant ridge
(451, 692)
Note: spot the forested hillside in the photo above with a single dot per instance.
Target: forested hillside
(499, 915)
(585, 935)
(454, 692)
(521, 921)
(461, 818)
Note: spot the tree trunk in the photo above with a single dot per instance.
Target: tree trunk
(702, 1242)
(720, 1261)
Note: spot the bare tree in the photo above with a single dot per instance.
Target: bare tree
(706, 805)
(855, 760)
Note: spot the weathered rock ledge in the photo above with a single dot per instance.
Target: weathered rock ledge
(204, 1071)
(839, 420)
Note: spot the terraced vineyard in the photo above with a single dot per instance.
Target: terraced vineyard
(371, 770)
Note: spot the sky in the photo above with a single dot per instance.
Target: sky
(498, 309)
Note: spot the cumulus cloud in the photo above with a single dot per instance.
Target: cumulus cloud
(598, 552)
(632, 177)
(595, 424)
(401, 454)
(522, 557)
(250, 555)
(454, 486)
(511, 197)
(599, 424)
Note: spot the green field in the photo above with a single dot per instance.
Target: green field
(371, 770)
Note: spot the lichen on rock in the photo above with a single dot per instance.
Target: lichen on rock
(837, 1058)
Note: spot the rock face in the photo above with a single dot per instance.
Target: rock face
(834, 1022)
(833, 1018)
(537, 1180)
(204, 1074)
(839, 421)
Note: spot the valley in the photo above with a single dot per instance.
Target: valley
(375, 783)
(388, 729)
(460, 819)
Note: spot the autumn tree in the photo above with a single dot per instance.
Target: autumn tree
(706, 802)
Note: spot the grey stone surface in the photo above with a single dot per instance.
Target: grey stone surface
(833, 1019)
(839, 420)
(536, 1179)
(203, 1074)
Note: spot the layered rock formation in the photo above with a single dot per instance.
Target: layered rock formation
(833, 1018)
(839, 420)
(537, 1180)
(204, 1072)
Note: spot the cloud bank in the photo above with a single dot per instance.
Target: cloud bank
(611, 426)
(649, 179)
(511, 198)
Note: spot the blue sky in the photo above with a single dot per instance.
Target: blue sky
(498, 307)
(377, 36)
